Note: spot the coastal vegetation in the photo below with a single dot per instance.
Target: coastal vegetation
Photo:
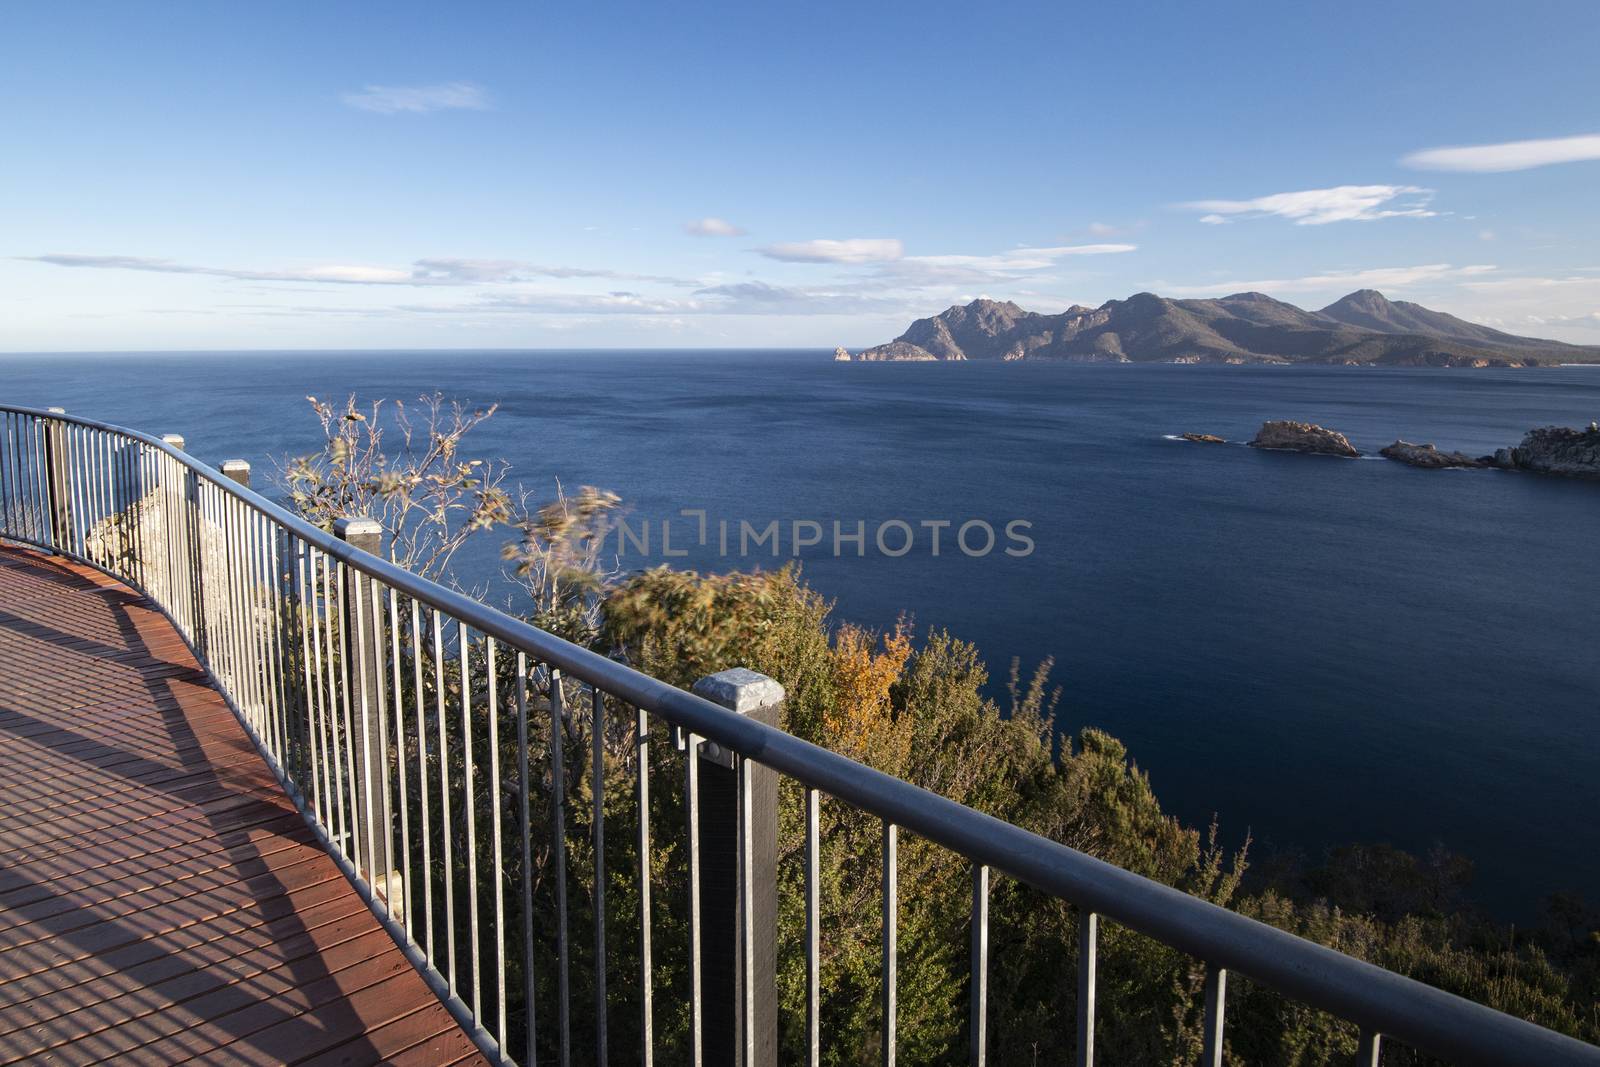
(915, 702)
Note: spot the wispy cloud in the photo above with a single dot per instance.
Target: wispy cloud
(1317, 207)
(738, 298)
(1023, 259)
(712, 227)
(505, 271)
(1373, 278)
(418, 99)
(1004, 268)
(1508, 155)
(423, 272)
(852, 250)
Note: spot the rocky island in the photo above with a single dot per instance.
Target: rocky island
(1362, 328)
(1554, 450)
(1288, 436)
(1557, 450)
(1428, 456)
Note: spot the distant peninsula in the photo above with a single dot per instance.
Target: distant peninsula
(1364, 328)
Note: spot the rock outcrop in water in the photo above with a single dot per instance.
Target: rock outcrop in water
(1428, 456)
(841, 355)
(1291, 436)
(1204, 438)
(1555, 450)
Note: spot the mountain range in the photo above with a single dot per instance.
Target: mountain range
(1364, 327)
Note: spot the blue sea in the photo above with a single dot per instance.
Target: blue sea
(1312, 650)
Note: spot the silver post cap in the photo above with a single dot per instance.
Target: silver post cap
(56, 411)
(174, 439)
(739, 689)
(235, 464)
(345, 529)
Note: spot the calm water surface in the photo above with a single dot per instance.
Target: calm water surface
(1315, 650)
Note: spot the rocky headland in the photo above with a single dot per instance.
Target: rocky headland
(1362, 328)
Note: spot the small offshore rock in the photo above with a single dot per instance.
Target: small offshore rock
(1429, 456)
(840, 355)
(1204, 438)
(1303, 437)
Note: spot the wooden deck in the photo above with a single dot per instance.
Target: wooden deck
(160, 898)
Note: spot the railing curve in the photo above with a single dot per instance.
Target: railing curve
(319, 645)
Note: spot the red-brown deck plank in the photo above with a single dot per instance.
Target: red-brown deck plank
(160, 898)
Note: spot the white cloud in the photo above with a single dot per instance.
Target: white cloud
(1022, 259)
(1509, 155)
(418, 99)
(1373, 278)
(712, 226)
(423, 272)
(1316, 207)
(505, 271)
(1102, 229)
(853, 250)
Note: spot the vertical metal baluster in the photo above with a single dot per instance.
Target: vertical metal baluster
(1370, 1053)
(227, 544)
(597, 730)
(327, 695)
(641, 738)
(386, 856)
(397, 692)
(1216, 1002)
(347, 782)
(5, 473)
(692, 803)
(31, 473)
(90, 460)
(273, 595)
(250, 603)
(499, 859)
(232, 604)
(891, 937)
(523, 792)
(417, 652)
(359, 647)
(745, 931)
(223, 602)
(306, 622)
(113, 532)
(979, 1050)
(1088, 967)
(558, 791)
(463, 638)
(813, 928)
(291, 633)
(444, 802)
(79, 535)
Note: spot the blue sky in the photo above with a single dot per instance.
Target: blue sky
(542, 175)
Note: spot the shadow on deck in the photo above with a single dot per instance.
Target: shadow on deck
(161, 899)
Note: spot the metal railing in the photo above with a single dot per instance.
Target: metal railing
(379, 699)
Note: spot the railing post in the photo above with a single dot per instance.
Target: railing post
(58, 481)
(739, 882)
(362, 638)
(194, 551)
(238, 470)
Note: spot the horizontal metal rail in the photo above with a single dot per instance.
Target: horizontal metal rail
(383, 701)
